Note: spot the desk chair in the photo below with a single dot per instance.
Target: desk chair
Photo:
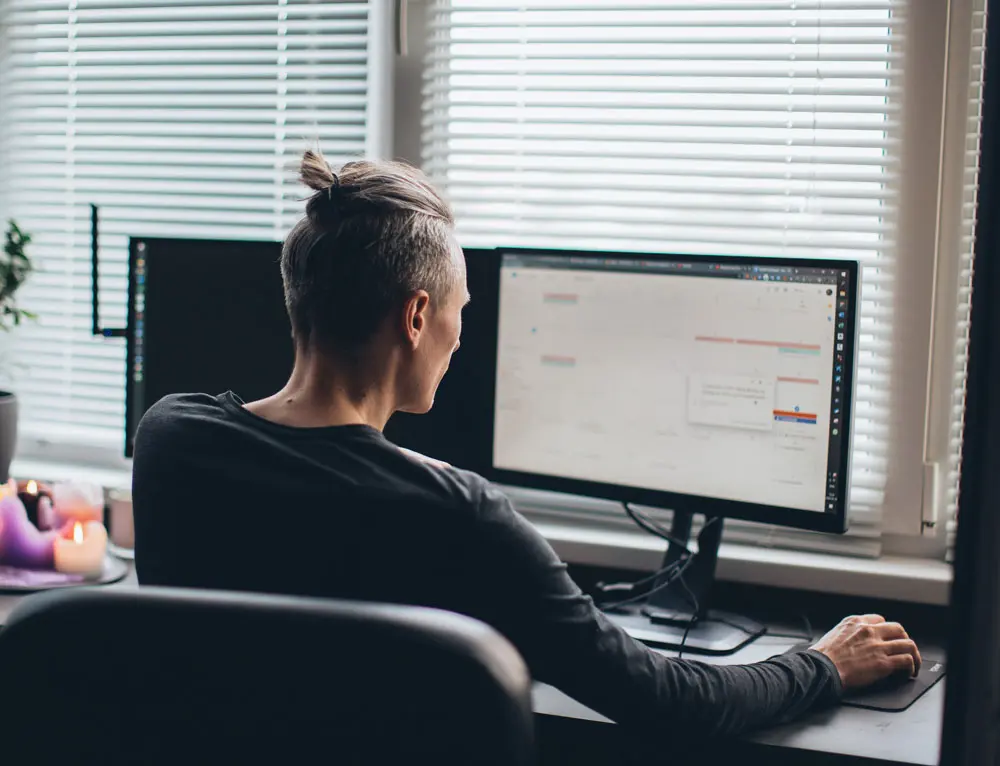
(163, 675)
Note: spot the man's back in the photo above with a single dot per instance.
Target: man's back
(226, 499)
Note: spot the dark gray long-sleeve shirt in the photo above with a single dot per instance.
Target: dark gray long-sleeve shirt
(225, 499)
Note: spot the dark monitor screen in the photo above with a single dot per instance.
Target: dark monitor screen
(718, 385)
(204, 316)
(208, 316)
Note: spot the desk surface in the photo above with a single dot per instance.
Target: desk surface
(910, 737)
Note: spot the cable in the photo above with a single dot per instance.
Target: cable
(647, 524)
(687, 558)
(629, 586)
(680, 565)
(694, 599)
(652, 527)
(694, 614)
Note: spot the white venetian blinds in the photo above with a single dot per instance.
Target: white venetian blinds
(970, 187)
(178, 119)
(718, 126)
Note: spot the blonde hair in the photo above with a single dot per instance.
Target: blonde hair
(374, 233)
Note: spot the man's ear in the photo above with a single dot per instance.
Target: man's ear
(416, 312)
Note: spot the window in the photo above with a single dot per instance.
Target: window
(761, 128)
(176, 119)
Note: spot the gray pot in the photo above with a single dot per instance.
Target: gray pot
(8, 432)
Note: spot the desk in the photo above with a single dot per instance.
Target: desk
(839, 735)
(836, 736)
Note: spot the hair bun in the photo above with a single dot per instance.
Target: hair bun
(315, 172)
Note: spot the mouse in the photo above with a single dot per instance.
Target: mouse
(889, 683)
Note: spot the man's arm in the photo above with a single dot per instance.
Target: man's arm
(570, 644)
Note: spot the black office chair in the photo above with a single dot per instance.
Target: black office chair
(162, 675)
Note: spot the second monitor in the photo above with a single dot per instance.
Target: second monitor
(705, 385)
(720, 385)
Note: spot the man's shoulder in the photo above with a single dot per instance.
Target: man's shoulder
(174, 411)
(179, 404)
(453, 486)
(459, 486)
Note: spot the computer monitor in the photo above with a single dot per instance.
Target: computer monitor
(713, 385)
(209, 316)
(722, 385)
(203, 316)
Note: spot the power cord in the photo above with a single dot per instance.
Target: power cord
(673, 571)
(646, 523)
(694, 614)
(630, 586)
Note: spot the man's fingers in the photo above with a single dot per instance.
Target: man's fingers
(900, 662)
(872, 619)
(905, 646)
(889, 631)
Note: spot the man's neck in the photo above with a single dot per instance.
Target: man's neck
(323, 392)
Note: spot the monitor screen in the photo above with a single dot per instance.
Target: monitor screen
(722, 383)
(204, 316)
(208, 316)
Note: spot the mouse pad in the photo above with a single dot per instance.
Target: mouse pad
(894, 695)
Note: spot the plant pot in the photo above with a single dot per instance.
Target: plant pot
(8, 432)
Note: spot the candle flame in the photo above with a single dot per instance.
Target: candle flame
(32, 487)
(78, 533)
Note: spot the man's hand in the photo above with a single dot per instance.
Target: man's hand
(867, 649)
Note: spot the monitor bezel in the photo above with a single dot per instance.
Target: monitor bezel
(835, 521)
(130, 425)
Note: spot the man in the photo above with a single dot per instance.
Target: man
(301, 493)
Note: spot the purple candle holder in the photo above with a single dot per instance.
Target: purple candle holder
(21, 544)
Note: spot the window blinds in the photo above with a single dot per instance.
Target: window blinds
(754, 128)
(177, 119)
(970, 186)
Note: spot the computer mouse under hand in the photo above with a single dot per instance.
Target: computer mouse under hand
(889, 683)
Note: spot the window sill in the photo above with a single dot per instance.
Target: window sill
(51, 470)
(899, 578)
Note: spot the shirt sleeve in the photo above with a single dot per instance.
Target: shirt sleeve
(570, 644)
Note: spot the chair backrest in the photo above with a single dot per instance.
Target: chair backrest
(164, 675)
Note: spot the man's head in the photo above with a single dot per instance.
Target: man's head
(374, 261)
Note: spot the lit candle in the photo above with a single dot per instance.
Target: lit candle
(75, 501)
(82, 552)
(21, 544)
(35, 497)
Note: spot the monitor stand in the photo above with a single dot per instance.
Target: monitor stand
(668, 612)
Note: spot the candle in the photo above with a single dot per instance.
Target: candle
(35, 496)
(21, 544)
(82, 551)
(74, 501)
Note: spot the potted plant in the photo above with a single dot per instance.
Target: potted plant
(15, 267)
